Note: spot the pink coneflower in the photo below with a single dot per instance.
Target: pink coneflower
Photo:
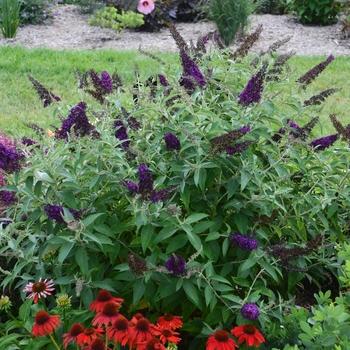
(45, 324)
(145, 6)
(39, 289)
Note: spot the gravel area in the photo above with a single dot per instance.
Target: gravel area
(70, 30)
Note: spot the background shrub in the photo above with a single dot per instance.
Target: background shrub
(36, 11)
(323, 12)
(229, 16)
(275, 7)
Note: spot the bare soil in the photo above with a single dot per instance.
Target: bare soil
(70, 30)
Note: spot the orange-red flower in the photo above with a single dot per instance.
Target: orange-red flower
(152, 344)
(97, 344)
(166, 334)
(170, 321)
(135, 318)
(74, 331)
(45, 324)
(141, 332)
(221, 340)
(89, 335)
(249, 334)
(103, 297)
(119, 331)
(108, 315)
(39, 289)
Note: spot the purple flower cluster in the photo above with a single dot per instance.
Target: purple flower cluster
(163, 80)
(250, 311)
(243, 242)
(322, 143)
(7, 198)
(121, 133)
(172, 142)
(77, 122)
(253, 90)
(176, 265)
(9, 159)
(103, 85)
(191, 73)
(55, 212)
(312, 74)
(145, 186)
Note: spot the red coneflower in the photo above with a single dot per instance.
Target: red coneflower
(103, 297)
(152, 344)
(170, 321)
(108, 315)
(74, 331)
(97, 344)
(119, 331)
(141, 332)
(249, 334)
(135, 318)
(89, 335)
(221, 340)
(39, 289)
(166, 334)
(45, 324)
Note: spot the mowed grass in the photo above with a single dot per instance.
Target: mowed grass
(19, 102)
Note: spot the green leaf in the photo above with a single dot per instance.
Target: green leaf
(138, 291)
(195, 217)
(68, 197)
(165, 233)
(191, 292)
(24, 310)
(176, 243)
(91, 218)
(42, 176)
(64, 251)
(82, 260)
(200, 177)
(245, 178)
(146, 236)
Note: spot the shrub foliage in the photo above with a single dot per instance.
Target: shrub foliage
(193, 192)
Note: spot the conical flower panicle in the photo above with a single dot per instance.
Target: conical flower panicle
(44, 94)
(321, 97)
(222, 143)
(322, 143)
(248, 43)
(254, 88)
(304, 132)
(313, 73)
(343, 131)
(179, 40)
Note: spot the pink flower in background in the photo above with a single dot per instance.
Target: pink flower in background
(145, 6)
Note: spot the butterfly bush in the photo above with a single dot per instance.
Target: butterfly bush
(207, 191)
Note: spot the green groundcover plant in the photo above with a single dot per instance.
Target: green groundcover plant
(198, 195)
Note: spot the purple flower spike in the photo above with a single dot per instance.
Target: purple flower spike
(253, 90)
(324, 142)
(243, 242)
(172, 142)
(191, 73)
(121, 133)
(132, 187)
(245, 129)
(176, 264)
(250, 311)
(7, 198)
(9, 159)
(106, 82)
(145, 180)
(163, 80)
(54, 212)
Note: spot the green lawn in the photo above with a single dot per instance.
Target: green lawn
(55, 70)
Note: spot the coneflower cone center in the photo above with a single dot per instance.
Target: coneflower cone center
(76, 329)
(249, 329)
(142, 325)
(39, 287)
(110, 309)
(42, 317)
(104, 295)
(121, 324)
(151, 343)
(168, 317)
(89, 331)
(167, 333)
(221, 335)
